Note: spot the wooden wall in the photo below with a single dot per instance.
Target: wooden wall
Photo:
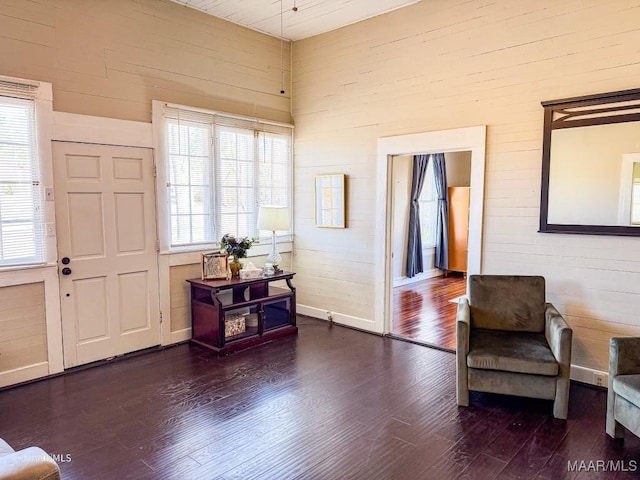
(443, 64)
(23, 329)
(180, 295)
(436, 65)
(111, 58)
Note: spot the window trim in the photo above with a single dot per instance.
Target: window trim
(43, 100)
(159, 124)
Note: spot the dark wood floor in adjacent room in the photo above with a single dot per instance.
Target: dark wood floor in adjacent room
(331, 403)
(423, 311)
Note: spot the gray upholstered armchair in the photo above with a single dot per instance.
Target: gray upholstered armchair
(510, 341)
(623, 397)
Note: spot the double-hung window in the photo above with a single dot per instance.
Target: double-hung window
(219, 170)
(21, 218)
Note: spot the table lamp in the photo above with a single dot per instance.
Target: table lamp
(274, 219)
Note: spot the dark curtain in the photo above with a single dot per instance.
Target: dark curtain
(442, 226)
(414, 240)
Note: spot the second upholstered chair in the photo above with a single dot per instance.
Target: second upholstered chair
(623, 397)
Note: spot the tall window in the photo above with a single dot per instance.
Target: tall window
(429, 209)
(635, 195)
(21, 229)
(190, 182)
(220, 169)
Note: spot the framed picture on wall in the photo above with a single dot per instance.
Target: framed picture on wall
(214, 265)
(330, 201)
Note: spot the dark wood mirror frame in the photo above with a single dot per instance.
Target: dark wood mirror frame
(599, 109)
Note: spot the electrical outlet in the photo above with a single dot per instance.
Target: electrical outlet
(599, 379)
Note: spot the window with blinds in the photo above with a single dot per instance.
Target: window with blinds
(21, 225)
(429, 209)
(220, 169)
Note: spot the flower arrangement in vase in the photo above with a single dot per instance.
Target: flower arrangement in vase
(237, 249)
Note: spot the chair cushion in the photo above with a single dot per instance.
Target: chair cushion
(507, 302)
(5, 448)
(628, 386)
(511, 352)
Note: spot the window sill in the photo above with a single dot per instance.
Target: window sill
(263, 247)
(191, 256)
(34, 266)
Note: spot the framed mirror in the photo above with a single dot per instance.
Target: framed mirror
(330, 201)
(591, 165)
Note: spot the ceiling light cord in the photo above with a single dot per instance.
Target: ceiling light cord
(281, 51)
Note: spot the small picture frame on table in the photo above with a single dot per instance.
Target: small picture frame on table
(214, 265)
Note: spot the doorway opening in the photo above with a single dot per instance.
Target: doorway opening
(470, 139)
(425, 311)
(424, 301)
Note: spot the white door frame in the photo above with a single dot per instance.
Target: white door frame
(461, 139)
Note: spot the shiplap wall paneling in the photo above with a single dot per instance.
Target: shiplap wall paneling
(446, 64)
(180, 295)
(23, 329)
(112, 58)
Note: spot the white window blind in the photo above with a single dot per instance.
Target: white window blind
(190, 182)
(635, 194)
(21, 227)
(220, 170)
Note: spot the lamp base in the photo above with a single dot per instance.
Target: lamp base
(274, 257)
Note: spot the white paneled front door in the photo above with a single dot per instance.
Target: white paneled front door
(106, 227)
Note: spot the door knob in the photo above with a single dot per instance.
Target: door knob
(65, 260)
(66, 271)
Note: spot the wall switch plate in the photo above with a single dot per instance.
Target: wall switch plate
(51, 230)
(48, 194)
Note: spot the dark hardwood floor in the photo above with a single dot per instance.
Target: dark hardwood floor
(331, 403)
(422, 311)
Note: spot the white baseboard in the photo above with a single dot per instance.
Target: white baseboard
(579, 374)
(337, 317)
(400, 281)
(24, 374)
(588, 375)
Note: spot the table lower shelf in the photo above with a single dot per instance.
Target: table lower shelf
(241, 341)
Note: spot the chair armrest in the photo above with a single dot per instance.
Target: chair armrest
(558, 335)
(32, 462)
(624, 356)
(463, 326)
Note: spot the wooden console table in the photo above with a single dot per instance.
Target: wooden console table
(254, 311)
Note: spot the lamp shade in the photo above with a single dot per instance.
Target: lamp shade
(274, 218)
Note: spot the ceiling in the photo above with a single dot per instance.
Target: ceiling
(312, 17)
